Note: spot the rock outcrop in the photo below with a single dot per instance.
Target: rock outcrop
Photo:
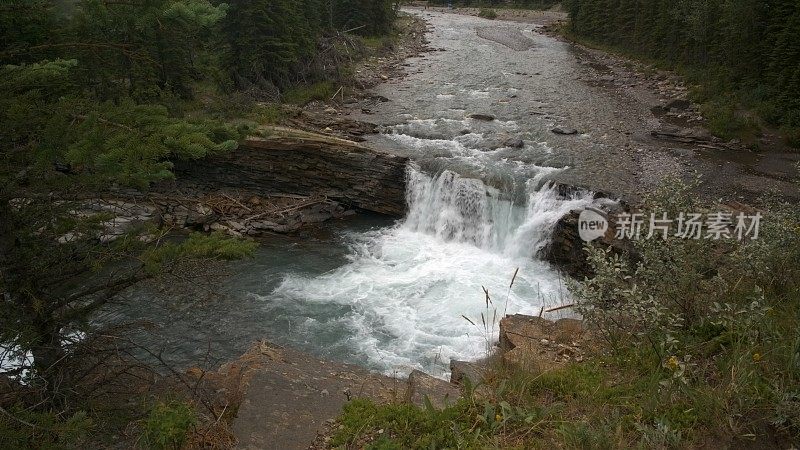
(242, 213)
(303, 163)
(537, 344)
(461, 371)
(286, 397)
(565, 249)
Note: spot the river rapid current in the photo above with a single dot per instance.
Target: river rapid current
(405, 294)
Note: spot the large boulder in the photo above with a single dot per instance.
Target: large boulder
(565, 249)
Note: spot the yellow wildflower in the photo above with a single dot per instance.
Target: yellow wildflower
(498, 417)
(672, 363)
(757, 357)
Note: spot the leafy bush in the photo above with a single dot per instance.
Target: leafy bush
(692, 311)
(168, 424)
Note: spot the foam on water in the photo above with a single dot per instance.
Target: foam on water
(406, 287)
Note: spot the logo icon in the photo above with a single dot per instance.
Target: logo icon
(592, 224)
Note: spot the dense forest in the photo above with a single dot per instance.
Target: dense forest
(98, 95)
(743, 52)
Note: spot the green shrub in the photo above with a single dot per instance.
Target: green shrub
(688, 311)
(22, 428)
(168, 425)
(724, 121)
(302, 95)
(487, 13)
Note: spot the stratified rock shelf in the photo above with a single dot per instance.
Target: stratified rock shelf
(297, 162)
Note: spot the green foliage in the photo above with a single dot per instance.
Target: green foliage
(132, 144)
(365, 17)
(725, 121)
(168, 425)
(716, 323)
(302, 95)
(487, 13)
(585, 436)
(118, 141)
(269, 113)
(406, 426)
(273, 43)
(197, 246)
(268, 40)
(43, 430)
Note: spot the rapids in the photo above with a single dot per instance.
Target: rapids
(397, 295)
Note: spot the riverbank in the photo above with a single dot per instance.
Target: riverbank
(650, 128)
(667, 356)
(533, 16)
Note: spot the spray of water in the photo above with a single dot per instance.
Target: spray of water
(407, 287)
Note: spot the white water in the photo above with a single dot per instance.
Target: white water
(407, 286)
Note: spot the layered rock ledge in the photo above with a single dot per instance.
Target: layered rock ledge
(296, 162)
(287, 399)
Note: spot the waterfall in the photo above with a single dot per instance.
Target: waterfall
(453, 208)
(406, 288)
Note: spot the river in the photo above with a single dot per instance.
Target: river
(398, 295)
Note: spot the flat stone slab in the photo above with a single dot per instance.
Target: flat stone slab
(292, 394)
(439, 392)
(289, 396)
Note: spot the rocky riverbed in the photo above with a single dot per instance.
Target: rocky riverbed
(630, 123)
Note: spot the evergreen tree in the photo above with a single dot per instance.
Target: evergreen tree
(267, 39)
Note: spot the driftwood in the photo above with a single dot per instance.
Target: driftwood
(688, 136)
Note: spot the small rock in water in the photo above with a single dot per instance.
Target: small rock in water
(514, 143)
(564, 130)
(484, 117)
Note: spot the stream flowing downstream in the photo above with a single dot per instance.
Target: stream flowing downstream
(393, 296)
